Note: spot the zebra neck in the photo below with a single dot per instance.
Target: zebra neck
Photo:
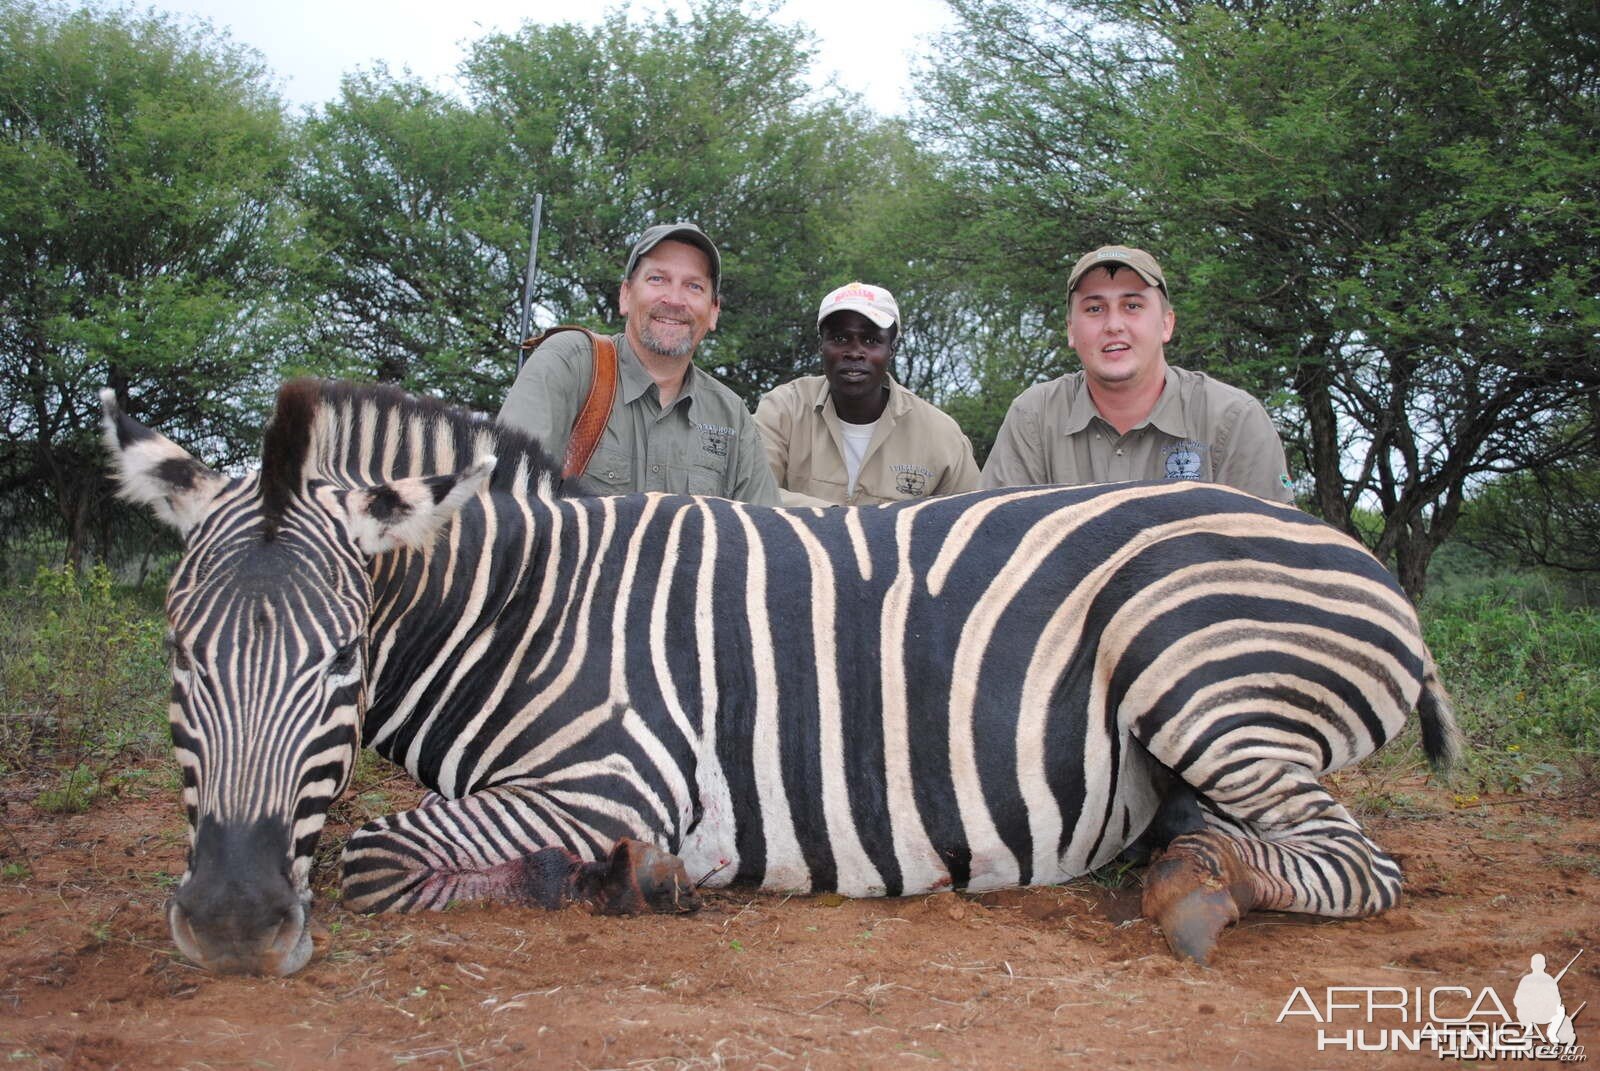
(460, 620)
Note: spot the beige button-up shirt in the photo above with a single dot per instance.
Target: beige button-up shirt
(704, 443)
(916, 451)
(1200, 429)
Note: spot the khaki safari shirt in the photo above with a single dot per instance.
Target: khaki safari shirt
(916, 451)
(1200, 429)
(704, 443)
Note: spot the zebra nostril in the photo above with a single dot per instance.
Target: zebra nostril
(184, 936)
(290, 946)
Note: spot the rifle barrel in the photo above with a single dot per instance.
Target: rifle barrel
(527, 282)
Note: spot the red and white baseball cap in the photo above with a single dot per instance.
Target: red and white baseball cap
(873, 302)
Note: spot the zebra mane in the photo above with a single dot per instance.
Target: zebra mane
(356, 434)
(283, 450)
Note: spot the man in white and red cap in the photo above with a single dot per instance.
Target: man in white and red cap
(673, 427)
(853, 436)
(1128, 415)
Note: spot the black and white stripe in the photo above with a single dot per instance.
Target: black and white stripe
(964, 692)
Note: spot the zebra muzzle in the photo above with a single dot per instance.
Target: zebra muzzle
(238, 911)
(279, 947)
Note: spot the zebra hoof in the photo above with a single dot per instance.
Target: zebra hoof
(1193, 893)
(638, 879)
(1193, 924)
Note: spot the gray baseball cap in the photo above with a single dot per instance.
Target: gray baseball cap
(677, 232)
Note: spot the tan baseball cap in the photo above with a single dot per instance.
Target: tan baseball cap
(1141, 262)
(676, 232)
(873, 302)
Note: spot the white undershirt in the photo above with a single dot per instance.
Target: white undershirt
(857, 437)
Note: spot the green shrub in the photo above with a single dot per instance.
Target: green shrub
(1525, 680)
(82, 678)
(1459, 573)
(75, 789)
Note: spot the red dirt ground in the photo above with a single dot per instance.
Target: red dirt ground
(1037, 978)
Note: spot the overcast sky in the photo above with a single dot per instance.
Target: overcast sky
(310, 44)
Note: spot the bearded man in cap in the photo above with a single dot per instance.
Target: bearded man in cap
(673, 426)
(853, 436)
(1128, 415)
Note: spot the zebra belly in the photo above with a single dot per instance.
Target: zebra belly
(1098, 836)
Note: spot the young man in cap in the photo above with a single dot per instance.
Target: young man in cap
(853, 436)
(1129, 415)
(673, 426)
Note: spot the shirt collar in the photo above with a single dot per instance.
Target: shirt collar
(635, 381)
(1166, 416)
(1078, 416)
(899, 397)
(819, 396)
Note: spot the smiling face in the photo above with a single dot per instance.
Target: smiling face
(855, 358)
(670, 300)
(1119, 325)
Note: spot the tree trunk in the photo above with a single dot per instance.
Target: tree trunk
(1327, 479)
(75, 514)
(1412, 553)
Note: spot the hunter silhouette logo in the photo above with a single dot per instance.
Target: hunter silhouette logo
(1538, 1002)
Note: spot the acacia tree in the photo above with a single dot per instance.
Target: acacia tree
(140, 164)
(418, 206)
(1380, 216)
(707, 117)
(402, 255)
(1029, 106)
(1394, 208)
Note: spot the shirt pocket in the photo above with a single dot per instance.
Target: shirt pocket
(707, 477)
(817, 487)
(610, 470)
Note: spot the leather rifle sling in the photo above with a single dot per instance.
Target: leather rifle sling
(590, 423)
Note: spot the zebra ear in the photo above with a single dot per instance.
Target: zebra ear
(408, 512)
(154, 471)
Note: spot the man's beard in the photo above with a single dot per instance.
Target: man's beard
(660, 346)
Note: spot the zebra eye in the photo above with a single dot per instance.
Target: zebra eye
(177, 657)
(345, 660)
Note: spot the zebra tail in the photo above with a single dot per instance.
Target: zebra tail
(1441, 736)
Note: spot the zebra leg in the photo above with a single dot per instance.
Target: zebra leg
(1275, 841)
(1178, 813)
(495, 845)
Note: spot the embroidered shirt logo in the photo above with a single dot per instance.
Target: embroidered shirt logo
(911, 480)
(853, 291)
(714, 438)
(1183, 460)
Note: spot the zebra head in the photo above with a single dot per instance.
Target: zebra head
(268, 612)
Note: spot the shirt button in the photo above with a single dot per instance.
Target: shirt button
(1119, 452)
(655, 468)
